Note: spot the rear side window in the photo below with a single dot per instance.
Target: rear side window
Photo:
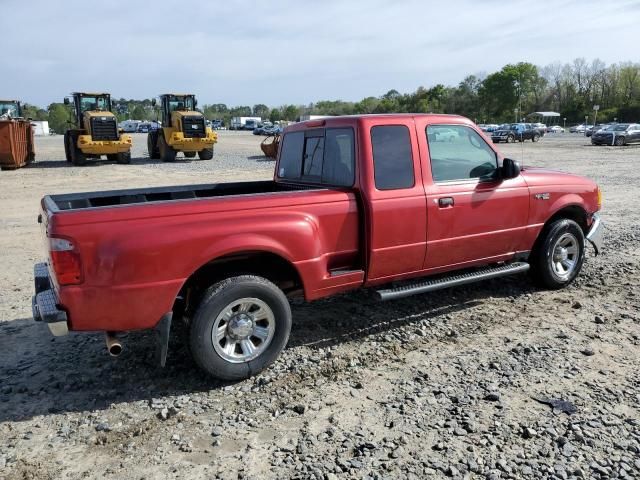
(319, 156)
(392, 160)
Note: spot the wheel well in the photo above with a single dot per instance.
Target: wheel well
(264, 264)
(572, 212)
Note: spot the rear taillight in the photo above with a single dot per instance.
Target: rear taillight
(65, 261)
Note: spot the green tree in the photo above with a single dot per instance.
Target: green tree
(59, 117)
(290, 112)
(261, 110)
(275, 115)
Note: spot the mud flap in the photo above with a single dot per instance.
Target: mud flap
(162, 341)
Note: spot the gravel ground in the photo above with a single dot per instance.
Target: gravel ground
(453, 384)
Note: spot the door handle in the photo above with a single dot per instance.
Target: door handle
(445, 202)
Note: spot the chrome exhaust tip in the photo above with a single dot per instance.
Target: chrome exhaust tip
(114, 346)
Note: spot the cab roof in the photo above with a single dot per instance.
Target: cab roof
(5, 100)
(90, 93)
(387, 117)
(178, 94)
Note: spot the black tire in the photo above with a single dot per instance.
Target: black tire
(535, 138)
(542, 259)
(112, 157)
(510, 139)
(206, 154)
(189, 154)
(152, 145)
(124, 158)
(77, 157)
(215, 301)
(67, 146)
(167, 153)
(619, 141)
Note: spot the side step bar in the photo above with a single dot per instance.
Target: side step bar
(452, 281)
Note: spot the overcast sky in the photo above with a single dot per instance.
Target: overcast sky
(275, 52)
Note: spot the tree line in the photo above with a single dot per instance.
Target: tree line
(572, 89)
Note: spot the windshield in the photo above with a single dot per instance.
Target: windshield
(180, 102)
(93, 103)
(9, 108)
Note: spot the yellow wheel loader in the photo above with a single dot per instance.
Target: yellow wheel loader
(183, 130)
(95, 132)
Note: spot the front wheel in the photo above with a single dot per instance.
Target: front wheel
(558, 255)
(167, 153)
(510, 139)
(240, 327)
(535, 138)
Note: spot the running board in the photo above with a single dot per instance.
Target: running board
(452, 281)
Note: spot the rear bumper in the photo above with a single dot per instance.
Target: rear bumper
(178, 141)
(596, 234)
(104, 147)
(44, 303)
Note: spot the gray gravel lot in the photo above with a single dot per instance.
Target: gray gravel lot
(451, 384)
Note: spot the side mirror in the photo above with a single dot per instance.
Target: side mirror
(66, 100)
(153, 102)
(510, 168)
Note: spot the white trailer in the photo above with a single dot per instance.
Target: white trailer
(240, 123)
(40, 127)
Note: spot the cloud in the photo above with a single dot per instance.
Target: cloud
(286, 51)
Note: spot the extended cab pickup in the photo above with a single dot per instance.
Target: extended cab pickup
(378, 201)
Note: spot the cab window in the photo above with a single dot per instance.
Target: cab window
(392, 160)
(319, 156)
(458, 152)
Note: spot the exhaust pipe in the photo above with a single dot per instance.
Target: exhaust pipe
(113, 344)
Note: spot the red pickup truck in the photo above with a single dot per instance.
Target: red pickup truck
(401, 204)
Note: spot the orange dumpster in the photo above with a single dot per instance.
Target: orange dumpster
(16, 144)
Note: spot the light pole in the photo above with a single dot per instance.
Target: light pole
(564, 123)
(595, 114)
(586, 121)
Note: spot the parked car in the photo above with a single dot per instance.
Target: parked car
(594, 128)
(555, 129)
(516, 131)
(577, 129)
(617, 134)
(541, 127)
(488, 127)
(224, 258)
(144, 127)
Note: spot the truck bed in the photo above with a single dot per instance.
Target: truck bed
(79, 201)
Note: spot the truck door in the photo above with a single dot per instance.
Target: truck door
(395, 202)
(473, 215)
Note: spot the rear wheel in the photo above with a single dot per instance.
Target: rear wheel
(206, 154)
(535, 138)
(619, 141)
(167, 154)
(559, 254)
(67, 146)
(240, 327)
(152, 145)
(189, 154)
(124, 158)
